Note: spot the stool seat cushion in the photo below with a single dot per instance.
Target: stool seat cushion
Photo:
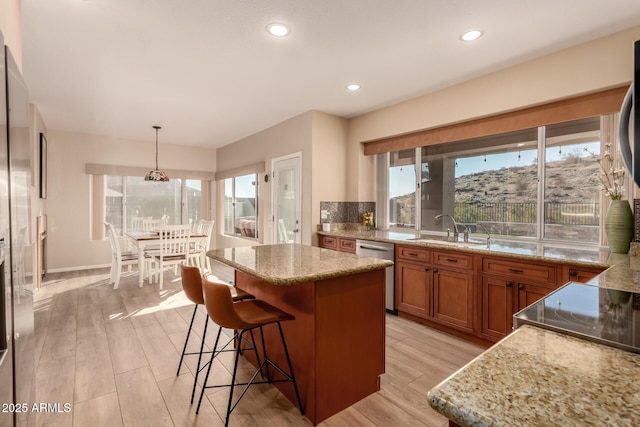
(192, 285)
(238, 315)
(257, 313)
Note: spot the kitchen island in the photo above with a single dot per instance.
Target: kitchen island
(337, 340)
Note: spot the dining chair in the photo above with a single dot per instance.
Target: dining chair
(173, 249)
(137, 223)
(118, 257)
(150, 224)
(199, 249)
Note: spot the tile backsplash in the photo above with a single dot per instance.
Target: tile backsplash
(346, 212)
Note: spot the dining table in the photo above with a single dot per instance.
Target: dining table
(143, 240)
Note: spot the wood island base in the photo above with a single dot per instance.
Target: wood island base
(336, 342)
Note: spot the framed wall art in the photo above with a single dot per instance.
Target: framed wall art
(43, 166)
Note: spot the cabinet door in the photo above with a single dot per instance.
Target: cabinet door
(347, 245)
(453, 298)
(328, 242)
(413, 284)
(528, 294)
(497, 307)
(582, 274)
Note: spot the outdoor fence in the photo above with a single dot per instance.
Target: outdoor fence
(555, 213)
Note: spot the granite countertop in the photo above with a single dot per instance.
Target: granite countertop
(536, 377)
(548, 252)
(288, 264)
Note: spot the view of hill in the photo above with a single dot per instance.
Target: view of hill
(566, 181)
(571, 180)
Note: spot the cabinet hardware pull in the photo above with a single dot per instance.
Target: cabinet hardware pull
(412, 254)
(426, 269)
(435, 270)
(521, 286)
(509, 284)
(451, 260)
(516, 270)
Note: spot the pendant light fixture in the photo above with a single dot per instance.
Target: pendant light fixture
(156, 174)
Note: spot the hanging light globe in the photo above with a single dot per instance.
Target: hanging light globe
(156, 174)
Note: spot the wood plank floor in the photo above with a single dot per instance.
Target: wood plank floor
(114, 355)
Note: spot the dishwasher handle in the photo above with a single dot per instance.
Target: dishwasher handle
(374, 248)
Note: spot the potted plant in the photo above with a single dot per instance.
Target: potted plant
(619, 221)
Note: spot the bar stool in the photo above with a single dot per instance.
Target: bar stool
(245, 316)
(192, 285)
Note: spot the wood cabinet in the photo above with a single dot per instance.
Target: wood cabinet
(341, 244)
(328, 242)
(579, 273)
(508, 286)
(413, 288)
(347, 245)
(436, 285)
(471, 295)
(453, 298)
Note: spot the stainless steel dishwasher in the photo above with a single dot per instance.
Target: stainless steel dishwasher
(381, 250)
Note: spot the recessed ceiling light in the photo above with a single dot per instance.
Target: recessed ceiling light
(471, 35)
(278, 30)
(353, 87)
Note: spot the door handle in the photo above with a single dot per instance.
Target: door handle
(296, 230)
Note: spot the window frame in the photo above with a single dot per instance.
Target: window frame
(184, 201)
(607, 133)
(233, 210)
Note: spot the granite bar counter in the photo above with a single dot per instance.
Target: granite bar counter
(536, 377)
(337, 339)
(288, 264)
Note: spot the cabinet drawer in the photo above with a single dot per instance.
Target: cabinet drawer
(329, 242)
(453, 259)
(347, 245)
(413, 253)
(541, 273)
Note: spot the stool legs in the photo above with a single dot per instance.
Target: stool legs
(184, 349)
(204, 334)
(293, 378)
(289, 377)
(238, 350)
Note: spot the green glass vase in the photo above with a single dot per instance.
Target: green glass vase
(619, 226)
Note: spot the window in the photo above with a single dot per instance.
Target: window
(539, 183)
(241, 206)
(128, 199)
(402, 189)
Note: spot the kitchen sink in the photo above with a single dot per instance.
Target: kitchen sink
(443, 240)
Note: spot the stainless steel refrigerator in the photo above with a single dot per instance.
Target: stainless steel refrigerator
(17, 363)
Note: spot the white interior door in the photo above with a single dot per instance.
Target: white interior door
(287, 199)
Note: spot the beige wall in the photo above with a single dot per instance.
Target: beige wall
(288, 137)
(68, 209)
(11, 27)
(321, 139)
(329, 173)
(590, 67)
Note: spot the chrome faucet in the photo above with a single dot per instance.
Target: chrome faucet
(486, 231)
(455, 227)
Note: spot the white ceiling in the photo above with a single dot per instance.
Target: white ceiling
(209, 73)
